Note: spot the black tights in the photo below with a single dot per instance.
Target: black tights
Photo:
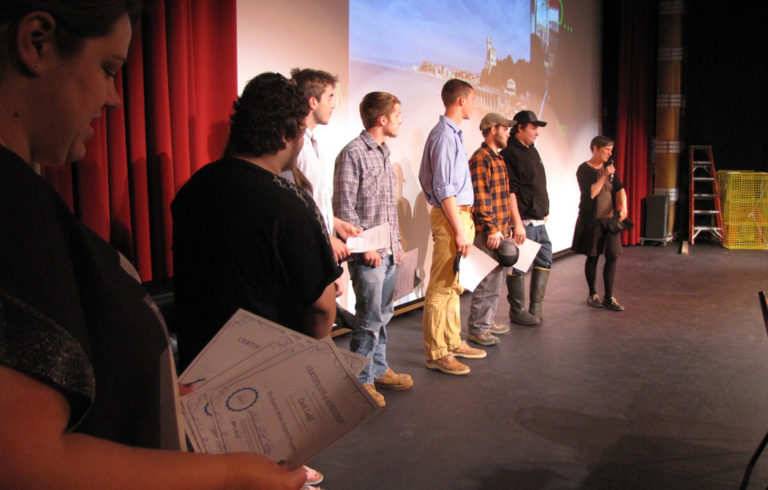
(609, 273)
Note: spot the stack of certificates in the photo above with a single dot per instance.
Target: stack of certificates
(263, 388)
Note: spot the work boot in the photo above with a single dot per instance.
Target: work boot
(377, 397)
(516, 298)
(538, 286)
(487, 339)
(393, 381)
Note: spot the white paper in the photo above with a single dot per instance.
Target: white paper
(242, 335)
(405, 281)
(252, 357)
(287, 408)
(199, 420)
(526, 253)
(371, 239)
(474, 267)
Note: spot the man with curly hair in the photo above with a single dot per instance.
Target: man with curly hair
(244, 237)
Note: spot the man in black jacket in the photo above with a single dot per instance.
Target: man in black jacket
(529, 209)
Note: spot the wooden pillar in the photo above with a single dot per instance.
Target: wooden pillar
(668, 102)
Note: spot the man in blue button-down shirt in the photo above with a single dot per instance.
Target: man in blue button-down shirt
(447, 185)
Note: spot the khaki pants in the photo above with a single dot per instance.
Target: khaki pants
(442, 320)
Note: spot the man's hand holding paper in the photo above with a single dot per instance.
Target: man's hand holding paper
(371, 239)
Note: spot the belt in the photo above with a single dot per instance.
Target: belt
(467, 209)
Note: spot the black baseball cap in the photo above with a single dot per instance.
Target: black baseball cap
(528, 117)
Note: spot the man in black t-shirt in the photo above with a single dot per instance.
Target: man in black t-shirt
(244, 237)
(529, 209)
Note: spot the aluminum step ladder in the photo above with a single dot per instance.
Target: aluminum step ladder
(704, 213)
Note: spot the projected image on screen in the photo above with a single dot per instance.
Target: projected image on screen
(506, 50)
(541, 55)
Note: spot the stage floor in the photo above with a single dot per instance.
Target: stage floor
(671, 393)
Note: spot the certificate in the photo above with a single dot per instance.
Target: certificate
(242, 335)
(474, 267)
(287, 399)
(287, 408)
(405, 280)
(371, 239)
(199, 423)
(526, 253)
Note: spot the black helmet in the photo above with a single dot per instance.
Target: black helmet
(616, 226)
(507, 253)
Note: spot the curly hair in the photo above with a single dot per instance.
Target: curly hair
(271, 109)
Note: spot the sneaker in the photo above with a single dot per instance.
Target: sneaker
(485, 338)
(594, 301)
(499, 329)
(448, 365)
(313, 476)
(375, 395)
(612, 304)
(393, 381)
(464, 350)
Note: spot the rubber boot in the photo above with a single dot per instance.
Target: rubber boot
(538, 286)
(516, 298)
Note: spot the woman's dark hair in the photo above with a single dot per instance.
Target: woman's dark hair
(600, 142)
(270, 108)
(76, 20)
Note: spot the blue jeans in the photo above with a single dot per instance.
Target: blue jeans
(539, 234)
(374, 287)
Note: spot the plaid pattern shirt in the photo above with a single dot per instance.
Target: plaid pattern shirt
(364, 188)
(491, 186)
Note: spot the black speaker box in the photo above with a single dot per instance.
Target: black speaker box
(656, 216)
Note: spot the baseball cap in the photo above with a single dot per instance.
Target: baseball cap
(494, 118)
(528, 117)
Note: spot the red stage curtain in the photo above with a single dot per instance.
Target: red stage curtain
(178, 87)
(636, 96)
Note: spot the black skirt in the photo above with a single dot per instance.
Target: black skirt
(592, 238)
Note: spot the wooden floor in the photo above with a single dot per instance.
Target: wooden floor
(672, 393)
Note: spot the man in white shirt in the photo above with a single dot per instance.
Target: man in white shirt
(320, 89)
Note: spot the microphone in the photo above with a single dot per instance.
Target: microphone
(609, 163)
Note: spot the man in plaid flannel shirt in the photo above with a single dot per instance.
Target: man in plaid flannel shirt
(492, 224)
(364, 195)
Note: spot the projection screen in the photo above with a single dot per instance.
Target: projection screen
(518, 54)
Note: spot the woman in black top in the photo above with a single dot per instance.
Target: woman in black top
(603, 206)
(86, 378)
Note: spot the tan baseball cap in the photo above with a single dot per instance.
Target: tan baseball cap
(493, 119)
